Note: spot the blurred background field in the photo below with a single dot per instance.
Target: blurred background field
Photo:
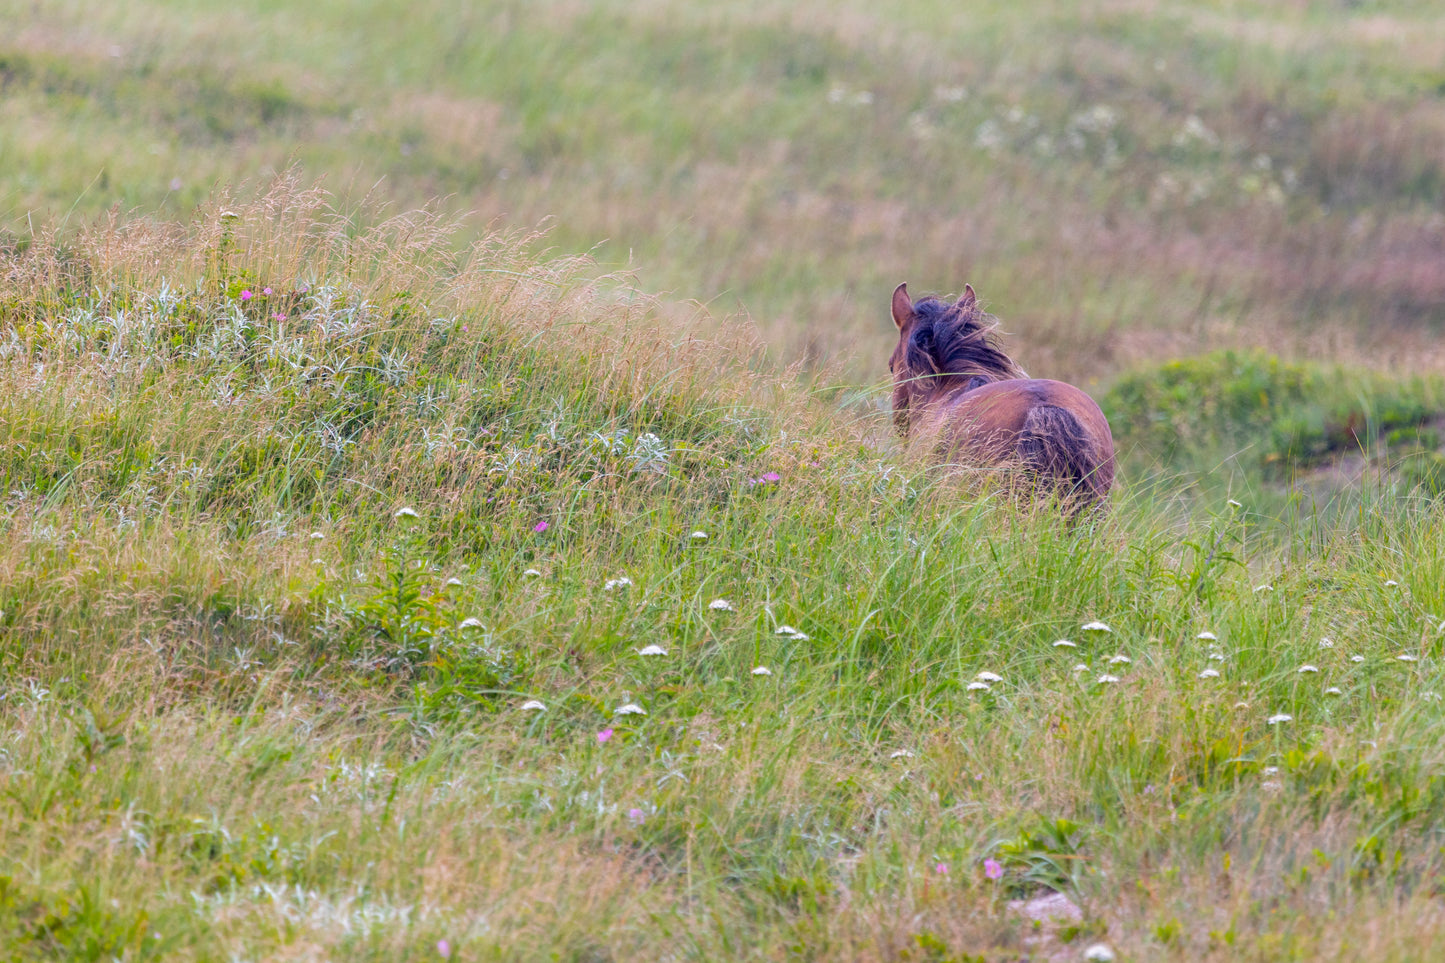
(1124, 182)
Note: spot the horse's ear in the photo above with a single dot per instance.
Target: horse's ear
(902, 305)
(967, 299)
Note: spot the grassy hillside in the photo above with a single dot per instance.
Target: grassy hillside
(1123, 182)
(331, 557)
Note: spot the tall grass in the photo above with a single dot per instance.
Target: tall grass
(301, 512)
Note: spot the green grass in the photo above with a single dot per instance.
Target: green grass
(246, 715)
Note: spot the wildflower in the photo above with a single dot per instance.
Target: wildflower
(1106, 678)
(278, 316)
(1217, 656)
(1099, 953)
(785, 630)
(540, 527)
(1064, 644)
(801, 636)
(1306, 668)
(631, 709)
(1263, 588)
(1271, 770)
(1327, 643)
(989, 677)
(454, 581)
(1390, 583)
(616, 583)
(772, 476)
(1241, 705)
(941, 869)
(405, 513)
(246, 295)
(652, 650)
(317, 535)
(698, 536)
(1096, 627)
(266, 291)
(720, 605)
(603, 736)
(444, 949)
(978, 687)
(992, 868)
(901, 754)
(1119, 660)
(1406, 657)
(470, 623)
(636, 817)
(533, 705)
(1357, 658)
(1081, 667)
(1278, 718)
(531, 573)
(1209, 674)
(1333, 690)
(1207, 637)
(1233, 504)
(762, 670)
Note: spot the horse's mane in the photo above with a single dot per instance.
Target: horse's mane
(956, 340)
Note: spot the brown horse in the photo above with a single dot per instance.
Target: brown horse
(955, 387)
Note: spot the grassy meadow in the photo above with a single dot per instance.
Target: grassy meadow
(399, 562)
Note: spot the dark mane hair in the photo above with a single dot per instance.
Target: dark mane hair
(951, 340)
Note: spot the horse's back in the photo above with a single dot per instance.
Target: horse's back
(1052, 427)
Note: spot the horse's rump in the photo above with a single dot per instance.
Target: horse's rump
(1057, 450)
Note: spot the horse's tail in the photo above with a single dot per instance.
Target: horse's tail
(1057, 450)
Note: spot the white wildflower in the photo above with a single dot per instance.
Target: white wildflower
(1081, 667)
(1390, 583)
(1099, 953)
(901, 754)
(989, 677)
(698, 536)
(1263, 588)
(1327, 643)
(1357, 658)
(470, 623)
(1271, 770)
(1306, 668)
(454, 581)
(652, 650)
(1333, 690)
(1278, 718)
(1233, 504)
(318, 535)
(1064, 644)
(762, 670)
(785, 630)
(1119, 660)
(533, 705)
(631, 709)
(1207, 637)
(1107, 678)
(978, 687)
(405, 513)
(1209, 674)
(1406, 657)
(1217, 656)
(1096, 627)
(801, 636)
(720, 605)
(613, 584)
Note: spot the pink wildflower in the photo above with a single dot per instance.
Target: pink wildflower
(992, 868)
(266, 291)
(636, 817)
(246, 295)
(941, 869)
(445, 949)
(539, 527)
(603, 736)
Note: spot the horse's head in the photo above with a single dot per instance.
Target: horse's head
(942, 347)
